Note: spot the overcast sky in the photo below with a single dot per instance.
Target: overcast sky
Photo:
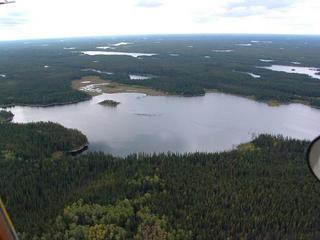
(29, 19)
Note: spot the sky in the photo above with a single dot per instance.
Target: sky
(33, 19)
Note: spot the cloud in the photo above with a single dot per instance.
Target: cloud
(270, 4)
(6, 22)
(244, 8)
(13, 19)
(204, 18)
(245, 11)
(149, 3)
(43, 19)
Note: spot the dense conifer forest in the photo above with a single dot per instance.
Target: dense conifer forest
(262, 190)
(40, 72)
(36, 140)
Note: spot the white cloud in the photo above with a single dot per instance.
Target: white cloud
(12, 16)
(245, 11)
(270, 4)
(149, 3)
(60, 18)
(244, 8)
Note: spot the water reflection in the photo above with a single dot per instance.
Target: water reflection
(215, 122)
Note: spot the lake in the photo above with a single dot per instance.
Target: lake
(135, 55)
(214, 122)
(139, 77)
(310, 71)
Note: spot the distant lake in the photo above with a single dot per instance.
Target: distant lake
(253, 75)
(139, 77)
(105, 53)
(214, 122)
(312, 72)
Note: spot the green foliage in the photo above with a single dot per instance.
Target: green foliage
(246, 147)
(123, 220)
(109, 103)
(35, 140)
(262, 192)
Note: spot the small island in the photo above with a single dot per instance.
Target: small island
(5, 116)
(109, 103)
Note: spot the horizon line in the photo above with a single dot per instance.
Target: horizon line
(160, 34)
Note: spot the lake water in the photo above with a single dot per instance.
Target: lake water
(96, 71)
(103, 47)
(214, 122)
(266, 60)
(120, 44)
(222, 50)
(253, 75)
(139, 77)
(244, 44)
(255, 41)
(135, 55)
(312, 72)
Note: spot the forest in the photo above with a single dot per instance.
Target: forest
(37, 140)
(40, 72)
(261, 190)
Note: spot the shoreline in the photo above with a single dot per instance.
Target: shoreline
(7, 118)
(78, 151)
(113, 87)
(45, 105)
(110, 87)
(270, 102)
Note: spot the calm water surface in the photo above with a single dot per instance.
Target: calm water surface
(312, 72)
(215, 122)
(135, 55)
